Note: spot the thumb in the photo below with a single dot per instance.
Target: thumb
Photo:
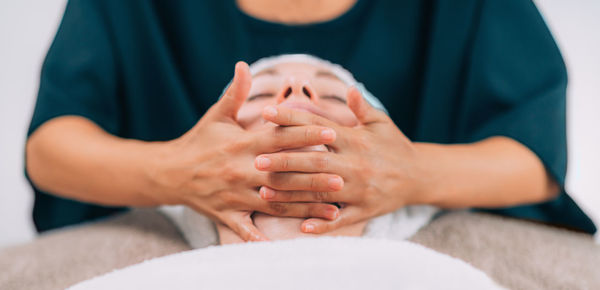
(237, 92)
(244, 227)
(348, 216)
(363, 111)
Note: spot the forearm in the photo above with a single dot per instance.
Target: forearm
(496, 172)
(74, 158)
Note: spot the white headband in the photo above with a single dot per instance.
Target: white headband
(336, 69)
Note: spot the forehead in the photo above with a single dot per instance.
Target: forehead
(297, 68)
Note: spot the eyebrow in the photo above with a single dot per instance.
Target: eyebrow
(268, 71)
(327, 74)
(319, 73)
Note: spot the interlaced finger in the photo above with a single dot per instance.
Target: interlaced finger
(316, 161)
(304, 181)
(279, 138)
(300, 210)
(303, 196)
(284, 116)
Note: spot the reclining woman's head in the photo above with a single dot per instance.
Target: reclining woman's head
(304, 83)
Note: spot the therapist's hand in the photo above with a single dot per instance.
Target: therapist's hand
(210, 167)
(379, 165)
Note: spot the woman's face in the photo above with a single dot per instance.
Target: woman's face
(299, 86)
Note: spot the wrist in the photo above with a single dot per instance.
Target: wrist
(159, 174)
(431, 185)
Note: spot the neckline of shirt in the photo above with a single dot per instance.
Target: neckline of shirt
(341, 20)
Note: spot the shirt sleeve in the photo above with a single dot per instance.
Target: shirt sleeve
(79, 74)
(515, 86)
(79, 77)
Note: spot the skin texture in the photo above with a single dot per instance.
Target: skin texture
(210, 168)
(294, 11)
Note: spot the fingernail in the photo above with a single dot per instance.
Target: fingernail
(270, 111)
(331, 213)
(263, 162)
(335, 183)
(309, 228)
(328, 134)
(266, 193)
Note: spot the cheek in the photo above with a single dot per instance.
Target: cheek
(250, 114)
(243, 117)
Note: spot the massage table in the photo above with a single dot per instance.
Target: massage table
(515, 254)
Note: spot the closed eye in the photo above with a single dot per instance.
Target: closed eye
(261, 95)
(333, 98)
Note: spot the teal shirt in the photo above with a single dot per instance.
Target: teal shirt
(447, 71)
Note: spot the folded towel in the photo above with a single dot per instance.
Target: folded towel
(319, 263)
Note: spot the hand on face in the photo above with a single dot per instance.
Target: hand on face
(210, 168)
(378, 163)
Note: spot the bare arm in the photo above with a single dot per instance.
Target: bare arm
(495, 172)
(73, 157)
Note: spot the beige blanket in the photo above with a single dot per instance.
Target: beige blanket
(517, 254)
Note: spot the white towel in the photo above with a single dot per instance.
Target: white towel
(315, 263)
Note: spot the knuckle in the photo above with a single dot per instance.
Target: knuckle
(355, 169)
(312, 210)
(370, 196)
(308, 134)
(285, 162)
(278, 208)
(313, 182)
(321, 196)
(321, 162)
(367, 170)
(228, 197)
(363, 143)
(235, 146)
(232, 174)
(273, 180)
(290, 118)
(318, 120)
(279, 132)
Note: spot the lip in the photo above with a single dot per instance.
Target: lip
(307, 107)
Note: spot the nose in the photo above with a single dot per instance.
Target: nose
(297, 90)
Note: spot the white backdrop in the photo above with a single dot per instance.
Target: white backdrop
(28, 26)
